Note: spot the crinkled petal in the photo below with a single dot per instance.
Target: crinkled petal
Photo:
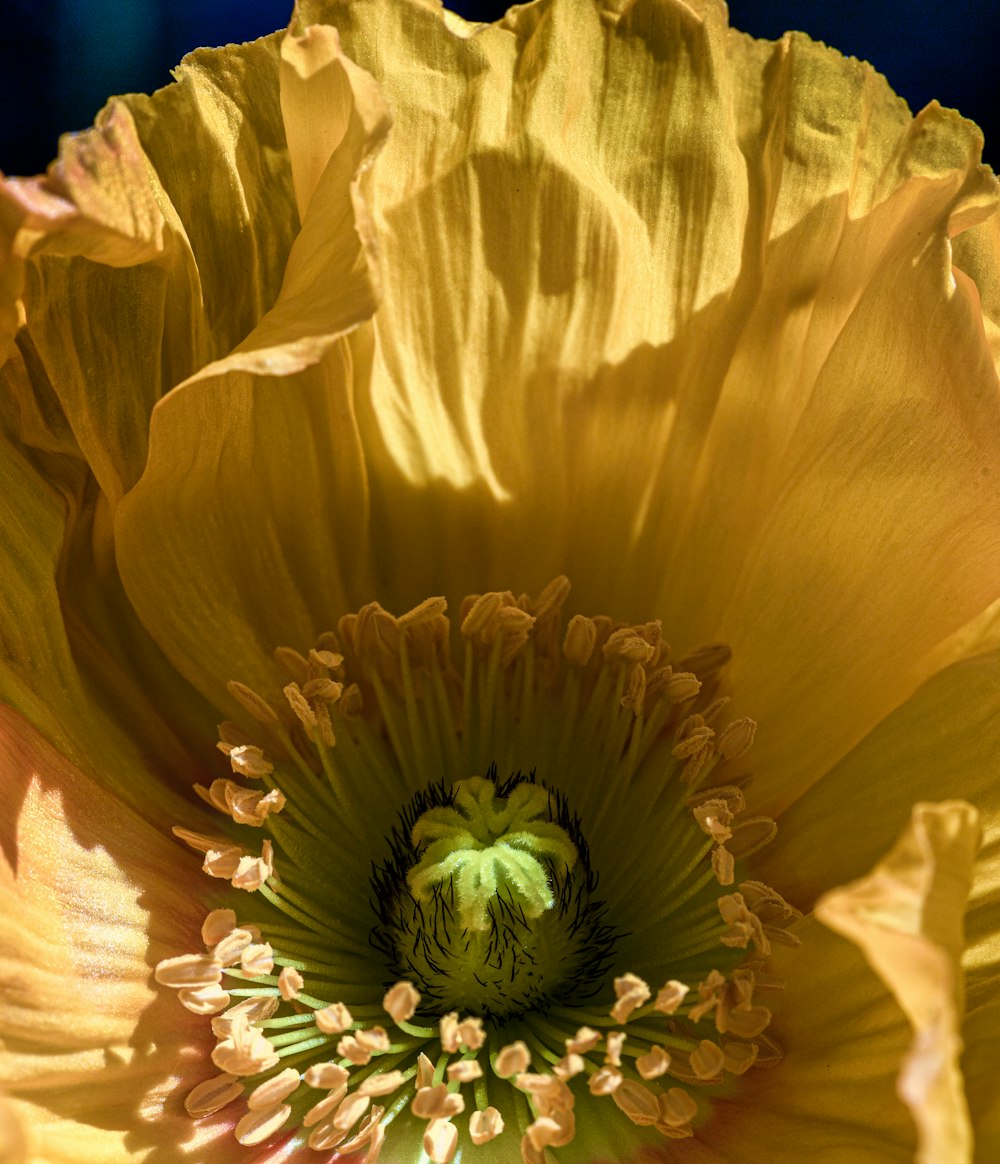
(92, 1050)
(733, 385)
(906, 918)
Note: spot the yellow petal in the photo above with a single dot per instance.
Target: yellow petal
(906, 918)
(981, 1035)
(336, 120)
(943, 740)
(832, 1095)
(251, 515)
(92, 1050)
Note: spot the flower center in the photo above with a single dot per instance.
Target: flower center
(429, 933)
(487, 907)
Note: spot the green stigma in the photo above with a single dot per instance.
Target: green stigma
(487, 846)
(487, 904)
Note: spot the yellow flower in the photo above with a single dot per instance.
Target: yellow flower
(397, 313)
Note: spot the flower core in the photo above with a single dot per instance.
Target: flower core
(429, 927)
(495, 914)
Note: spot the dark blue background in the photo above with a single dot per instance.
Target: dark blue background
(60, 59)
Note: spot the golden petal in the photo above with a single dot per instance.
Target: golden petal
(906, 918)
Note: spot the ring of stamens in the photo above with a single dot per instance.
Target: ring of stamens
(621, 738)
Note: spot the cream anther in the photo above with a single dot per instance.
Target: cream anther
(485, 1125)
(385, 1083)
(203, 999)
(257, 959)
(637, 1102)
(223, 863)
(274, 1090)
(677, 1108)
(188, 970)
(247, 760)
(585, 1039)
(349, 1048)
(604, 1081)
(512, 1059)
(325, 1107)
(255, 1010)
(437, 1102)
(401, 1002)
(333, 1019)
(631, 992)
(290, 983)
(259, 708)
(671, 996)
(216, 925)
(614, 1042)
(554, 1130)
(326, 1076)
(230, 949)
(212, 1095)
(245, 1052)
(374, 1039)
(440, 1141)
(300, 706)
(653, 1064)
(423, 612)
(464, 1071)
(568, 1067)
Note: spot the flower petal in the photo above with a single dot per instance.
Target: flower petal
(906, 918)
(981, 1035)
(336, 120)
(249, 521)
(91, 1048)
(832, 1096)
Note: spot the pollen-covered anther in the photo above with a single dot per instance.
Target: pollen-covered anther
(654, 1063)
(553, 1130)
(213, 1095)
(245, 1051)
(441, 1141)
(203, 999)
(569, 1066)
(223, 863)
(614, 1042)
(707, 1060)
(634, 699)
(548, 1092)
(248, 760)
(585, 1039)
(744, 926)
(401, 1002)
(631, 992)
(326, 1076)
(257, 959)
(513, 1059)
(485, 1125)
(189, 970)
(384, 1083)
(637, 1102)
(290, 983)
(349, 1048)
(374, 1039)
(437, 1102)
(694, 736)
(229, 950)
(274, 1090)
(604, 1081)
(216, 925)
(464, 1071)
(251, 872)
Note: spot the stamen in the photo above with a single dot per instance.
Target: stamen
(480, 924)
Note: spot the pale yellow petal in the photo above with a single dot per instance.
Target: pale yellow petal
(906, 918)
(93, 1050)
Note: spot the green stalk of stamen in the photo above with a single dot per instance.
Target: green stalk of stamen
(419, 1032)
(393, 728)
(418, 742)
